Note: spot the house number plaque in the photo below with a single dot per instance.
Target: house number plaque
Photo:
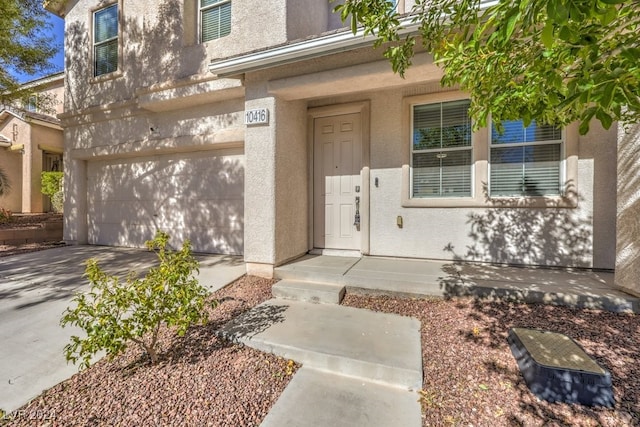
(259, 116)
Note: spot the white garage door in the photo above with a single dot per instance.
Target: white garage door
(196, 196)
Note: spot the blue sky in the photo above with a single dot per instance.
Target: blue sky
(58, 61)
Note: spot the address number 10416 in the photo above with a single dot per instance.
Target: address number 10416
(259, 116)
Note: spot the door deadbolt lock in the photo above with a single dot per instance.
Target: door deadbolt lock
(357, 188)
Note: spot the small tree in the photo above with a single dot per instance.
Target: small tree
(51, 183)
(113, 314)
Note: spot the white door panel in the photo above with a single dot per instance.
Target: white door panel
(337, 165)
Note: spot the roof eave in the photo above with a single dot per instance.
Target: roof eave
(299, 51)
(57, 7)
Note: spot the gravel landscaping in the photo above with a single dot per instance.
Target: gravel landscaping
(200, 380)
(471, 378)
(28, 221)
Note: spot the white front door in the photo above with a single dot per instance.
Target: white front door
(337, 181)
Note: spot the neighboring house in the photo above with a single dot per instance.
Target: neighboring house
(269, 130)
(31, 142)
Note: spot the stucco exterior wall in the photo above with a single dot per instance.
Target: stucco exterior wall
(11, 164)
(524, 235)
(16, 164)
(260, 192)
(144, 62)
(628, 210)
(292, 201)
(179, 170)
(42, 137)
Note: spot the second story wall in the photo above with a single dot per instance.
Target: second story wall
(115, 48)
(47, 95)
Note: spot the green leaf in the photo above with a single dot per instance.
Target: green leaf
(604, 118)
(607, 95)
(547, 35)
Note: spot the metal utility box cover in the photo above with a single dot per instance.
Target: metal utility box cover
(557, 369)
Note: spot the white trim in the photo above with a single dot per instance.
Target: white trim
(294, 52)
(470, 148)
(364, 109)
(324, 45)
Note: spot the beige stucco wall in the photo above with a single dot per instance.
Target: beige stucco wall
(628, 210)
(292, 195)
(196, 152)
(41, 137)
(11, 164)
(17, 165)
(547, 236)
(160, 43)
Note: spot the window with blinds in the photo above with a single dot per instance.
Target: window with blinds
(105, 40)
(215, 19)
(441, 153)
(525, 161)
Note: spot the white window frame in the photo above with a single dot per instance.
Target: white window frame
(201, 9)
(103, 42)
(562, 163)
(412, 151)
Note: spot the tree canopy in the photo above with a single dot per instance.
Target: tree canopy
(555, 61)
(25, 47)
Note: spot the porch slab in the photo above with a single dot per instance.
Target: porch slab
(319, 398)
(317, 268)
(378, 347)
(421, 278)
(322, 293)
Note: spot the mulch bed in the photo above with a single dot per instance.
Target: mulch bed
(201, 380)
(471, 378)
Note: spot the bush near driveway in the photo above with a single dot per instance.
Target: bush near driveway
(114, 314)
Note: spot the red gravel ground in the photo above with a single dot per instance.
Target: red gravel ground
(471, 378)
(201, 380)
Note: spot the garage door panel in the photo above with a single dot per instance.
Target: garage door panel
(199, 197)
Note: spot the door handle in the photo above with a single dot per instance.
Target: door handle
(356, 221)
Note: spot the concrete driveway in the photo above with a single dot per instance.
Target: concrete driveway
(35, 288)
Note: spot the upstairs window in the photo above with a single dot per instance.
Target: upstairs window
(441, 150)
(525, 161)
(215, 19)
(105, 40)
(32, 103)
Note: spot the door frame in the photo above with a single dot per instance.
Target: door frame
(363, 108)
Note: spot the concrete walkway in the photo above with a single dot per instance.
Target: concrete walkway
(35, 288)
(416, 278)
(360, 368)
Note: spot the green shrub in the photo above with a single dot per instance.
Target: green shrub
(113, 314)
(57, 201)
(51, 183)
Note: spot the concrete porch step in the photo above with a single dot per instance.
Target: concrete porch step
(422, 278)
(323, 293)
(318, 398)
(377, 347)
